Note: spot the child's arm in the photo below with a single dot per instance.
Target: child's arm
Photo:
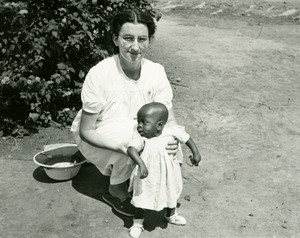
(196, 155)
(134, 155)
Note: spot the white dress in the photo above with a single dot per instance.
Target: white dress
(163, 186)
(117, 98)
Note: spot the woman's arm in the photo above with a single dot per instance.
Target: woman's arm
(172, 147)
(172, 120)
(87, 132)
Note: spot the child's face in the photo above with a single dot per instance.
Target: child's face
(147, 125)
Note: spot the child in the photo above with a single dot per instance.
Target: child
(156, 180)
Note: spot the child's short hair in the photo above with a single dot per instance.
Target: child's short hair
(157, 108)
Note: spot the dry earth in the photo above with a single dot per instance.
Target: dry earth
(234, 68)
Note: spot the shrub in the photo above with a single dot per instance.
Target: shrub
(46, 48)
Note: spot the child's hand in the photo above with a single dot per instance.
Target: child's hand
(195, 159)
(143, 170)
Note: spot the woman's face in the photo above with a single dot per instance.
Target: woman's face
(132, 41)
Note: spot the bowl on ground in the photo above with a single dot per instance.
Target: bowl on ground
(61, 163)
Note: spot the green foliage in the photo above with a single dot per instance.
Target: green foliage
(46, 49)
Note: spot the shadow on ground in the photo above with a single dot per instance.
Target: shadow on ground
(92, 183)
(40, 175)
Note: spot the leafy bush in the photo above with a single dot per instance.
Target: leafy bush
(46, 48)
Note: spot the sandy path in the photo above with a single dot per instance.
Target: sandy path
(238, 95)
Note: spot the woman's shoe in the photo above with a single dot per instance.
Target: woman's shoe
(137, 228)
(123, 207)
(176, 220)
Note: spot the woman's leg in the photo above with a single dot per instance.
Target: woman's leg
(119, 198)
(119, 190)
(139, 213)
(170, 212)
(115, 165)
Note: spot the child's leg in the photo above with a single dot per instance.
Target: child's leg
(173, 218)
(139, 213)
(137, 227)
(170, 211)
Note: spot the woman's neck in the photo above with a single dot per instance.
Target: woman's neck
(132, 70)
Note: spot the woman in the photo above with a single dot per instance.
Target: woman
(115, 89)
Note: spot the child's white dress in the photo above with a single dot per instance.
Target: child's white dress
(163, 186)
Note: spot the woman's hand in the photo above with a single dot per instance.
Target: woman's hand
(172, 147)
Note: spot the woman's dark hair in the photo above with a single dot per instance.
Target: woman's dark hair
(133, 16)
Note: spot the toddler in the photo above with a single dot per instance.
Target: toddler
(156, 180)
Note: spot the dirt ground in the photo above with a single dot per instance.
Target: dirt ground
(234, 68)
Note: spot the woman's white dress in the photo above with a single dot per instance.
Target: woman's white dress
(116, 99)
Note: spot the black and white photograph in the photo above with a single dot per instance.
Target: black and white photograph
(149, 118)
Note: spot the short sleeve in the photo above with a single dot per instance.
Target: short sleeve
(164, 93)
(91, 95)
(178, 132)
(137, 142)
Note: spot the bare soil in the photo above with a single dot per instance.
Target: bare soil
(234, 68)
